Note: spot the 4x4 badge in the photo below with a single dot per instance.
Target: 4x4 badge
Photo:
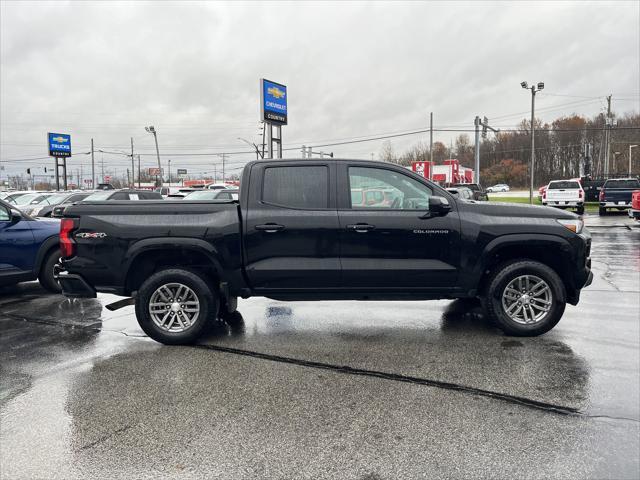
(91, 235)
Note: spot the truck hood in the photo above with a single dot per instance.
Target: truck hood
(519, 210)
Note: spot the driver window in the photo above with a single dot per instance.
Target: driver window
(5, 216)
(385, 189)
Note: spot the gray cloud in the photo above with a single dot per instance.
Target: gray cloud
(105, 70)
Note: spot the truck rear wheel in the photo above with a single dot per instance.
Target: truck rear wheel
(525, 298)
(176, 306)
(580, 210)
(602, 211)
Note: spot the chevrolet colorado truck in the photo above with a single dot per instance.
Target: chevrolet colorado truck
(296, 234)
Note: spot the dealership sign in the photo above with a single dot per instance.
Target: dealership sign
(182, 172)
(273, 102)
(59, 145)
(156, 171)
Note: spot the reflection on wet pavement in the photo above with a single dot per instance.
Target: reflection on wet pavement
(329, 384)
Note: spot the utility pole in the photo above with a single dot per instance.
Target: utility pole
(607, 135)
(152, 130)
(304, 151)
(431, 145)
(169, 161)
(93, 168)
(540, 86)
(101, 167)
(223, 155)
(139, 171)
(476, 164)
(133, 182)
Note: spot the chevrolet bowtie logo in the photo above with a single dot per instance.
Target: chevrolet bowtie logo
(60, 139)
(275, 92)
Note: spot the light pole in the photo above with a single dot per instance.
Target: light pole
(630, 147)
(169, 161)
(533, 89)
(251, 145)
(152, 130)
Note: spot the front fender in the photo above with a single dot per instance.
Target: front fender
(548, 243)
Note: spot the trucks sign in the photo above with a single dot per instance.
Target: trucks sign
(59, 144)
(273, 102)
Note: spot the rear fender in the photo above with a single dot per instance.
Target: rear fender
(183, 243)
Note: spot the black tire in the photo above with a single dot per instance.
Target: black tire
(45, 277)
(580, 210)
(208, 306)
(497, 284)
(602, 211)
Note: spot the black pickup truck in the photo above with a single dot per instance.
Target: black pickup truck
(297, 234)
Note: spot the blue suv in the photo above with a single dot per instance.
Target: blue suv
(28, 248)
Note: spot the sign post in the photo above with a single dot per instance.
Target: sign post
(60, 147)
(273, 112)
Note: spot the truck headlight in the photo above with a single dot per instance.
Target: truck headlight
(574, 225)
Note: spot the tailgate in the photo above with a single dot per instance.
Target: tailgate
(569, 194)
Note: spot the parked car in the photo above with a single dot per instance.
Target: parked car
(183, 192)
(44, 208)
(462, 193)
(634, 211)
(541, 191)
(29, 248)
(616, 193)
(296, 235)
(105, 186)
(112, 195)
(500, 187)
(219, 186)
(222, 194)
(479, 193)
(31, 198)
(12, 196)
(564, 194)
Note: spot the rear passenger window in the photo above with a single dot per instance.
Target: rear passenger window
(297, 187)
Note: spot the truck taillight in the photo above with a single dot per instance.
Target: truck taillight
(67, 243)
(601, 196)
(581, 194)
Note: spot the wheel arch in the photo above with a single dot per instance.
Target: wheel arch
(50, 244)
(550, 250)
(148, 256)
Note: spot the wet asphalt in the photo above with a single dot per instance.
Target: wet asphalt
(363, 390)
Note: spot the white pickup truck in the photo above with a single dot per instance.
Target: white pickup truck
(564, 194)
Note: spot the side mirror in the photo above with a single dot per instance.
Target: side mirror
(438, 206)
(16, 216)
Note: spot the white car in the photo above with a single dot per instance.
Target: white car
(219, 186)
(564, 194)
(501, 187)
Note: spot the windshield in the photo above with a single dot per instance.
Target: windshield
(54, 199)
(622, 184)
(563, 184)
(28, 199)
(98, 196)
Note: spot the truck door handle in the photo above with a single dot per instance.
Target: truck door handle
(361, 227)
(270, 227)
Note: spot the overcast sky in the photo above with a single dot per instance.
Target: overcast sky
(105, 70)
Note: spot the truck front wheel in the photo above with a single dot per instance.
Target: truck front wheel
(525, 298)
(175, 306)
